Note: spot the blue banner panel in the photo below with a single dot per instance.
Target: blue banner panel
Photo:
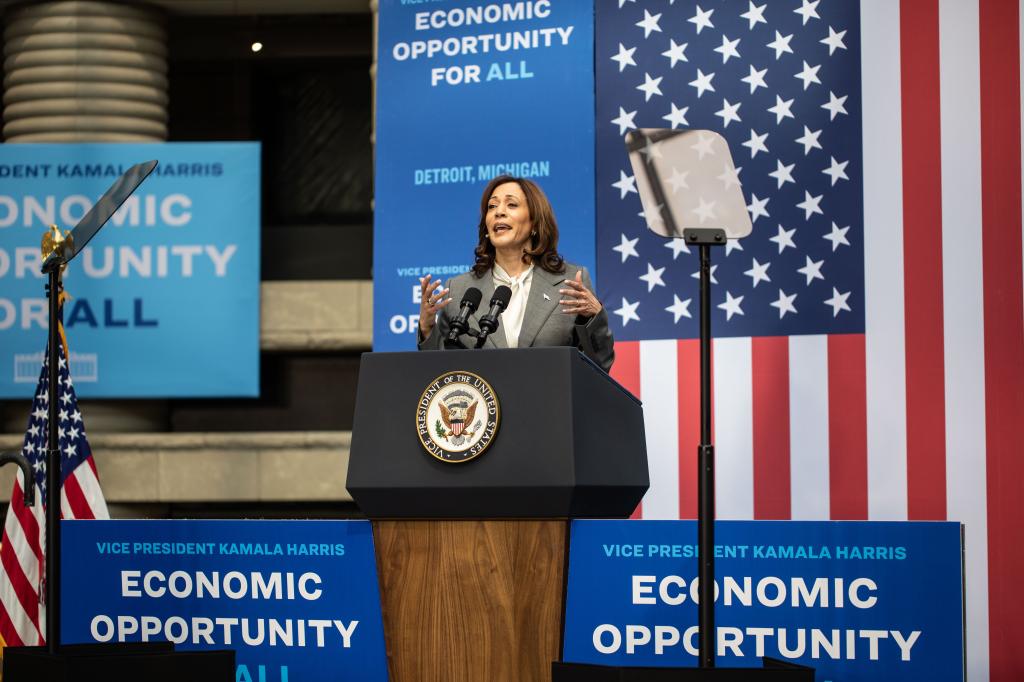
(467, 91)
(298, 601)
(165, 299)
(857, 601)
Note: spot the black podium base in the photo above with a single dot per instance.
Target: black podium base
(773, 671)
(121, 662)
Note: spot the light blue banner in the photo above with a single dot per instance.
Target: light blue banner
(298, 601)
(857, 601)
(165, 299)
(467, 91)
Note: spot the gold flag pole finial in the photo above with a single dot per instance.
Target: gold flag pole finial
(54, 241)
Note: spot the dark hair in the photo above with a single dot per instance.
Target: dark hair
(543, 249)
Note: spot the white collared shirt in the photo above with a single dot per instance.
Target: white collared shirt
(512, 318)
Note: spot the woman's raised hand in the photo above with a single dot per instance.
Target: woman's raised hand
(432, 299)
(578, 299)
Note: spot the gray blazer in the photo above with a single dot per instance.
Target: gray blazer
(543, 323)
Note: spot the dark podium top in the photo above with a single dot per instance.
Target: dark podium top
(570, 442)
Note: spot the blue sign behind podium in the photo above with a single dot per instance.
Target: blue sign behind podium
(467, 91)
(297, 600)
(857, 601)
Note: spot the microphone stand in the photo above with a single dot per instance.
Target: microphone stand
(460, 325)
(485, 331)
(481, 338)
(480, 335)
(455, 344)
(489, 323)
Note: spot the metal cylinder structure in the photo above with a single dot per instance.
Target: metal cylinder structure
(85, 71)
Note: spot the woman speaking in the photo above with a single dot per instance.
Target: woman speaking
(518, 248)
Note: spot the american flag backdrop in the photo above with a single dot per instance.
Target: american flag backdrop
(869, 351)
(22, 616)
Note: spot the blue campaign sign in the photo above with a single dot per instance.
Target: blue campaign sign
(467, 91)
(857, 601)
(297, 600)
(165, 299)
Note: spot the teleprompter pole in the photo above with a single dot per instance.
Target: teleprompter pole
(706, 463)
(642, 146)
(705, 239)
(58, 249)
(53, 470)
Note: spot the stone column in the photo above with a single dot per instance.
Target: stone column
(83, 71)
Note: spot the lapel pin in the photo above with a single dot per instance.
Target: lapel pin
(546, 297)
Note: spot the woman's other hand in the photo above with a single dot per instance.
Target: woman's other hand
(577, 299)
(432, 299)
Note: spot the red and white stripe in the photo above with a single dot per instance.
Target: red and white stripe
(22, 617)
(917, 418)
(21, 558)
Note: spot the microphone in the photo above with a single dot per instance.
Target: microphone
(489, 322)
(468, 306)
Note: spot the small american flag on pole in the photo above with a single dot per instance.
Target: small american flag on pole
(869, 352)
(22, 616)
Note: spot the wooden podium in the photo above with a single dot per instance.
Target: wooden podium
(471, 556)
(471, 600)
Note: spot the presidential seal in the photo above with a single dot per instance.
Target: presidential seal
(457, 417)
